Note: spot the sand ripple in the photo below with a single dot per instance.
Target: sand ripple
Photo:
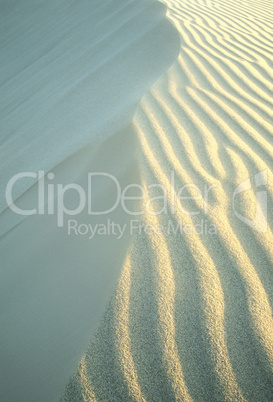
(192, 314)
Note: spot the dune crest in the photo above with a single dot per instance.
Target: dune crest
(196, 317)
(73, 75)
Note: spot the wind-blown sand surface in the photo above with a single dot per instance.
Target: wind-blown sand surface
(191, 316)
(72, 74)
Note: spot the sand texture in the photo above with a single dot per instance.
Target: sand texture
(191, 319)
(177, 93)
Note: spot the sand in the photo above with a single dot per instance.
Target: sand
(189, 314)
(72, 76)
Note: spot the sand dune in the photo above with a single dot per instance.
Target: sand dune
(72, 75)
(190, 314)
(191, 318)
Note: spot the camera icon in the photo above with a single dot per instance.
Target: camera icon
(259, 222)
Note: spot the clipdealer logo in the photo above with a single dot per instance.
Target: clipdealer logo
(51, 199)
(259, 222)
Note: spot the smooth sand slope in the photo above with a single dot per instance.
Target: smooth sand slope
(191, 318)
(72, 74)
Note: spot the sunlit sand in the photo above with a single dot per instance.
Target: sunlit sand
(195, 321)
(177, 94)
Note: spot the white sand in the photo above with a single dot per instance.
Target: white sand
(191, 317)
(72, 74)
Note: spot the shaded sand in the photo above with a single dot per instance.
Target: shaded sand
(72, 74)
(191, 318)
